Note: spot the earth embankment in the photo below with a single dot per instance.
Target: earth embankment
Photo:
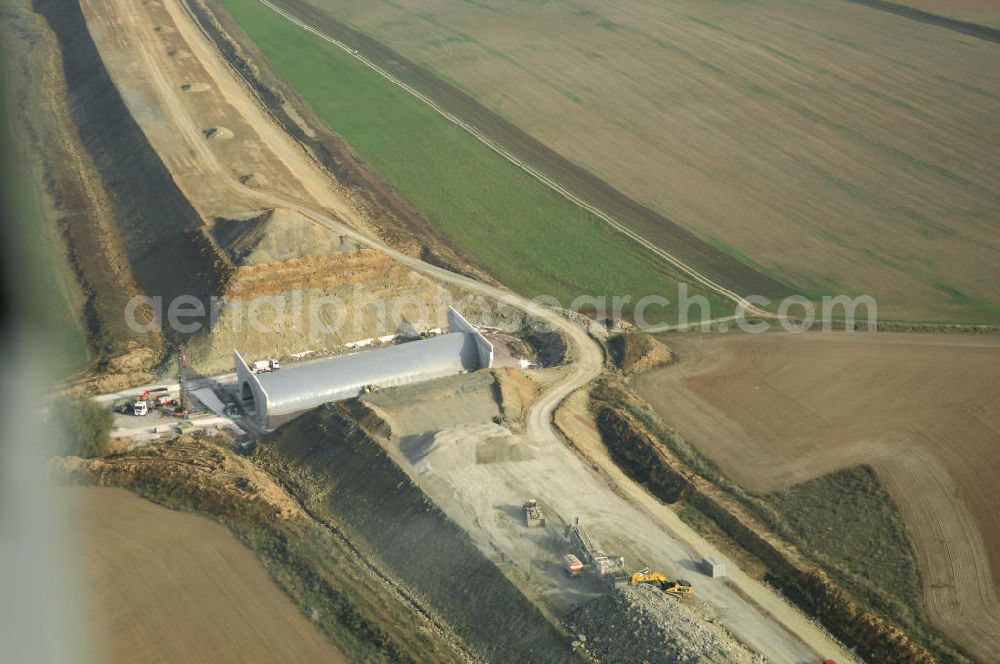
(162, 234)
(343, 474)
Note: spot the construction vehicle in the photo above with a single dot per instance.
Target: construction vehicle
(533, 515)
(572, 564)
(610, 568)
(142, 405)
(264, 366)
(661, 581)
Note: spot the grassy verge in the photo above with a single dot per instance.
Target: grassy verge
(529, 237)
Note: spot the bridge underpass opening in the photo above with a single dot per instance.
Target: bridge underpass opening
(248, 401)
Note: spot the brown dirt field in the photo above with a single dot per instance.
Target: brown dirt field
(777, 409)
(165, 586)
(829, 144)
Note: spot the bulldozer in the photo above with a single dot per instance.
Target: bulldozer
(661, 581)
(533, 515)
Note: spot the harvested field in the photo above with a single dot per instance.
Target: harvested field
(366, 614)
(778, 409)
(166, 586)
(503, 217)
(837, 147)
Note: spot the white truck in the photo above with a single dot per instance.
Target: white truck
(263, 366)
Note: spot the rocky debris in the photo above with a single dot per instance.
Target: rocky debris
(644, 624)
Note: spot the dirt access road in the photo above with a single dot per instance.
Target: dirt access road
(164, 586)
(923, 410)
(129, 36)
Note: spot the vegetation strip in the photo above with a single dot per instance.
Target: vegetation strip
(422, 95)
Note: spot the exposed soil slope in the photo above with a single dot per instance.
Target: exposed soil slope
(343, 474)
(162, 234)
(73, 198)
(209, 230)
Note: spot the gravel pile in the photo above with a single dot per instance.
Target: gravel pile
(644, 624)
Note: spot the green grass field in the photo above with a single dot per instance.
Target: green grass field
(527, 236)
(848, 522)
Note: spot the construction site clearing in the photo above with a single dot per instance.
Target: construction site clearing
(236, 206)
(221, 402)
(561, 550)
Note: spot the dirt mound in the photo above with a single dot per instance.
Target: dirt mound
(255, 180)
(515, 393)
(274, 236)
(503, 448)
(644, 624)
(196, 87)
(637, 352)
(465, 446)
(218, 134)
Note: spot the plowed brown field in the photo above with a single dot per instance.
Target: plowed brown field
(776, 409)
(164, 586)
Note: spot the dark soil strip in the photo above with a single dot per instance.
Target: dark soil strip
(656, 228)
(973, 29)
(163, 234)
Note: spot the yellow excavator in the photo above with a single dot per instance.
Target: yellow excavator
(660, 580)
